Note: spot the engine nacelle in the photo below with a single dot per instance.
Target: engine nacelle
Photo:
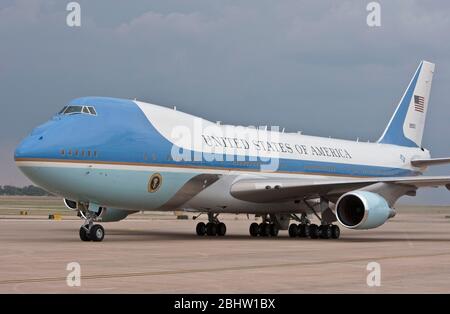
(362, 210)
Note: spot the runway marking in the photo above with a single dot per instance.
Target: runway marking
(231, 268)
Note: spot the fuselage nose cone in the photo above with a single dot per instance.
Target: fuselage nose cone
(23, 150)
(28, 147)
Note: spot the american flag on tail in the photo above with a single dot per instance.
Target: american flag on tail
(419, 103)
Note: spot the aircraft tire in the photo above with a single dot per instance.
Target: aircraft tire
(264, 230)
(274, 230)
(293, 230)
(84, 235)
(211, 229)
(325, 232)
(314, 231)
(221, 229)
(97, 233)
(335, 232)
(200, 229)
(254, 229)
(302, 230)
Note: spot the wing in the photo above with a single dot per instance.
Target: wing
(429, 162)
(268, 190)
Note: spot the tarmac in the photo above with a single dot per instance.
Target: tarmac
(162, 255)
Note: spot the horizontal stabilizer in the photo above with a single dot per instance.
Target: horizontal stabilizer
(430, 162)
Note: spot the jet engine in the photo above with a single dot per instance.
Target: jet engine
(362, 210)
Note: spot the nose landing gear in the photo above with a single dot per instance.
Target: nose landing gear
(90, 231)
(96, 233)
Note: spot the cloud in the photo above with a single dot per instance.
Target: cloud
(246, 62)
(153, 22)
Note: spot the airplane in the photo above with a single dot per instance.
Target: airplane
(108, 158)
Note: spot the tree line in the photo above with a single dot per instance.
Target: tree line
(30, 190)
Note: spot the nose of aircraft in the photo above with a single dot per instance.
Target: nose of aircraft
(29, 147)
(38, 143)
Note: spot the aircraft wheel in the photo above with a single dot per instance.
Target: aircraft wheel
(97, 233)
(307, 232)
(254, 229)
(264, 230)
(293, 230)
(84, 235)
(335, 232)
(302, 230)
(221, 229)
(273, 230)
(201, 229)
(211, 229)
(325, 232)
(314, 231)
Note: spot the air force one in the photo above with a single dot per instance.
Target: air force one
(109, 158)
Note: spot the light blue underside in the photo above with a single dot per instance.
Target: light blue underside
(118, 188)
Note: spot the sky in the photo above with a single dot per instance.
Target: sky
(313, 66)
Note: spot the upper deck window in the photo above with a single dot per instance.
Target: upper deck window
(67, 110)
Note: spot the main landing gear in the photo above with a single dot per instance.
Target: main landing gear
(314, 232)
(265, 229)
(90, 231)
(307, 230)
(212, 228)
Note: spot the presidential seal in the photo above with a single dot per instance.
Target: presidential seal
(154, 183)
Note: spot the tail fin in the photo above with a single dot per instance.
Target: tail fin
(406, 125)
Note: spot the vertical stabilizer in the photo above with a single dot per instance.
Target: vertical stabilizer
(407, 124)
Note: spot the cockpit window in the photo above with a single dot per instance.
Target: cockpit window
(92, 111)
(73, 109)
(62, 110)
(67, 110)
